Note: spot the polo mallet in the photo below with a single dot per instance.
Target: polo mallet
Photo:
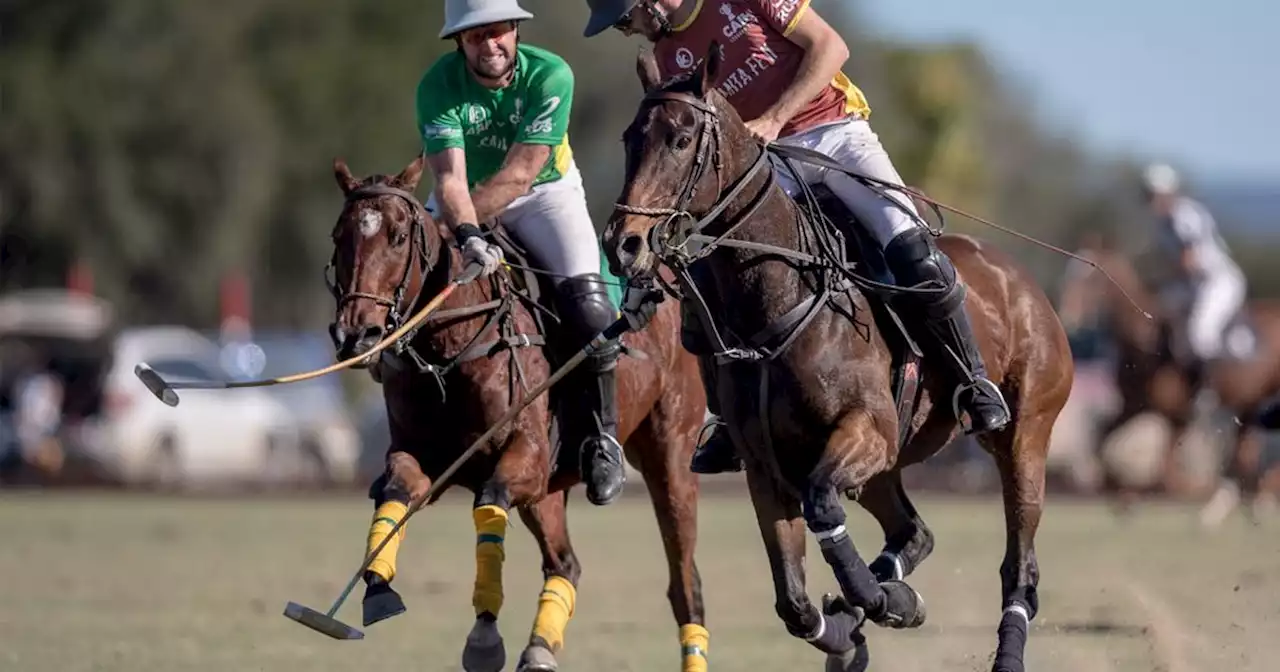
(325, 623)
(164, 390)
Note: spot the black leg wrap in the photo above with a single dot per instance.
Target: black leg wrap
(856, 581)
(903, 552)
(838, 633)
(1013, 642)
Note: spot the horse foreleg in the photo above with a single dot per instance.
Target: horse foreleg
(560, 571)
(663, 452)
(400, 483)
(1020, 454)
(516, 478)
(833, 630)
(907, 540)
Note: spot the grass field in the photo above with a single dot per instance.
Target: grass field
(105, 582)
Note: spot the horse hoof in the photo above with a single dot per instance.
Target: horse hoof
(904, 607)
(857, 659)
(381, 602)
(537, 659)
(484, 651)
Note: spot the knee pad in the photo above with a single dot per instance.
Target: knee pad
(585, 305)
(915, 260)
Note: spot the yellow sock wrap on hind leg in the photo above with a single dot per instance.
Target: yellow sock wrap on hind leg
(694, 642)
(385, 518)
(491, 530)
(555, 608)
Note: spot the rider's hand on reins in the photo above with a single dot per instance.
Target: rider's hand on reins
(478, 250)
(640, 303)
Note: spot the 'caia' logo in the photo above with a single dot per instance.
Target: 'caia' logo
(684, 58)
(736, 24)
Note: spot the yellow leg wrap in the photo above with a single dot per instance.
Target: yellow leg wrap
(491, 530)
(694, 642)
(385, 518)
(555, 608)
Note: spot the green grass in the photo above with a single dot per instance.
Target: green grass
(98, 582)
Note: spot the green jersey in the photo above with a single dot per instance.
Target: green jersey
(456, 111)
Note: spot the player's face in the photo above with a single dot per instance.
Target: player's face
(491, 49)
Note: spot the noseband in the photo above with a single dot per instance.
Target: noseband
(665, 240)
(417, 248)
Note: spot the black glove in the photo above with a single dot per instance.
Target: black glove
(640, 303)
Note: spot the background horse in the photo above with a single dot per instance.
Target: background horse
(817, 418)
(465, 368)
(1148, 377)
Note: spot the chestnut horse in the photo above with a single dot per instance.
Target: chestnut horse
(1148, 377)
(475, 359)
(807, 399)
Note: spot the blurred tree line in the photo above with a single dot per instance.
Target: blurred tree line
(167, 143)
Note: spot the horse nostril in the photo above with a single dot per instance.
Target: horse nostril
(370, 334)
(630, 248)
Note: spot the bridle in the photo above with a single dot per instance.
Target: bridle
(667, 239)
(417, 248)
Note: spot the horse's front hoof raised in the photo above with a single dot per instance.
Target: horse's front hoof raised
(484, 651)
(537, 659)
(903, 606)
(381, 601)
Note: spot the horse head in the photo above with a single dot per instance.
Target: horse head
(683, 136)
(385, 246)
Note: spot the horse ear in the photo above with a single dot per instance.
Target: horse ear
(647, 70)
(709, 71)
(408, 178)
(346, 181)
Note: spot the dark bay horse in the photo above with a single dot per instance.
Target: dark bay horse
(480, 356)
(1149, 378)
(817, 418)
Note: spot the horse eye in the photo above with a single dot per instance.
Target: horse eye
(683, 142)
(399, 238)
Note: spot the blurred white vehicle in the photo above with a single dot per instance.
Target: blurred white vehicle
(209, 437)
(328, 440)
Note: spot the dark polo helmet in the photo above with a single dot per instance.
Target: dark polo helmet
(605, 13)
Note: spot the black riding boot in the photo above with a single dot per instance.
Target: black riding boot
(715, 454)
(588, 311)
(914, 259)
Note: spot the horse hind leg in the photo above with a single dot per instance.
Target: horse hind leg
(663, 453)
(908, 541)
(560, 571)
(1020, 453)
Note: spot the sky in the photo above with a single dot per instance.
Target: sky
(1192, 82)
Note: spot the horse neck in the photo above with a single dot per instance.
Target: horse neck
(758, 290)
(447, 266)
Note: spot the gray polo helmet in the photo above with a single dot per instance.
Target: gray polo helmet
(460, 15)
(605, 13)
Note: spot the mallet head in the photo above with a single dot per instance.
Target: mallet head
(156, 384)
(321, 623)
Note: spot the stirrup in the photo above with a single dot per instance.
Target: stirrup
(976, 384)
(707, 428)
